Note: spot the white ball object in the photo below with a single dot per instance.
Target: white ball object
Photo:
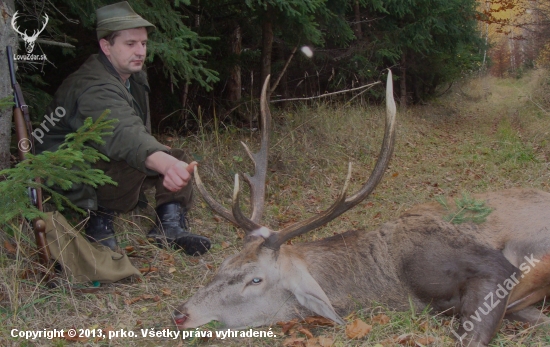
(307, 51)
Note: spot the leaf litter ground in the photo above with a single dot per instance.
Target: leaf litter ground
(494, 136)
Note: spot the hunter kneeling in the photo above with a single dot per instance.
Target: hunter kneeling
(114, 79)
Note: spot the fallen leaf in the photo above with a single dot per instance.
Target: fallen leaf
(9, 247)
(142, 242)
(108, 329)
(306, 332)
(395, 174)
(129, 249)
(167, 258)
(76, 339)
(318, 320)
(240, 234)
(148, 269)
(320, 341)
(425, 341)
(133, 300)
(423, 326)
(381, 319)
(357, 329)
(171, 270)
(325, 341)
(225, 244)
(286, 326)
(405, 339)
(25, 274)
(294, 342)
(389, 341)
(166, 291)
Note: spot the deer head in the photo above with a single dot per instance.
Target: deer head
(268, 279)
(29, 40)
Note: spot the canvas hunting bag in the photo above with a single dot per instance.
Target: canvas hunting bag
(83, 261)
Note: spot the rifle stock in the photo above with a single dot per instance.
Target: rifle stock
(21, 121)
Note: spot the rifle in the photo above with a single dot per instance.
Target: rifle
(23, 129)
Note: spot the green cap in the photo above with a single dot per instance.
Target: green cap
(119, 16)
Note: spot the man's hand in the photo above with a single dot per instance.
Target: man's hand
(177, 173)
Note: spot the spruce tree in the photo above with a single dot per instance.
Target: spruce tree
(71, 163)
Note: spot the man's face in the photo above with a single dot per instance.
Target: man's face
(127, 54)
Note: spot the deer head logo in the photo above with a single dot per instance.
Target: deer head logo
(29, 40)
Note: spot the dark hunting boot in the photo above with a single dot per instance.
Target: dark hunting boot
(172, 230)
(100, 228)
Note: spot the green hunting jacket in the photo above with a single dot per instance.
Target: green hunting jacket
(88, 92)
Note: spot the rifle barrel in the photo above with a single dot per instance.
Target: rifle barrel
(9, 52)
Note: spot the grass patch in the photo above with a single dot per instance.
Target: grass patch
(497, 139)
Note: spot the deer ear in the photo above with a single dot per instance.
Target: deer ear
(310, 294)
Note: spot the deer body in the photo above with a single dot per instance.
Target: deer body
(479, 272)
(418, 258)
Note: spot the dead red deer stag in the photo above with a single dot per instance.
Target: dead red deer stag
(481, 272)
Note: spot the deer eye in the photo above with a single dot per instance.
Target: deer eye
(256, 280)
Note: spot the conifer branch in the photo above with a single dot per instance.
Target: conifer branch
(468, 209)
(70, 164)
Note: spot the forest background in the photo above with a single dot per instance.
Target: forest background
(207, 59)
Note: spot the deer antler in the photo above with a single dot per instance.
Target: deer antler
(256, 182)
(275, 239)
(35, 35)
(13, 23)
(29, 40)
(35, 32)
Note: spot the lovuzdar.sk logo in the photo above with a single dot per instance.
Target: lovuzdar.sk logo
(29, 40)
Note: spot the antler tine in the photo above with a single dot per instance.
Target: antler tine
(342, 204)
(35, 33)
(210, 201)
(256, 182)
(13, 23)
(246, 224)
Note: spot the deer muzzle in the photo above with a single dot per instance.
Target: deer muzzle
(180, 319)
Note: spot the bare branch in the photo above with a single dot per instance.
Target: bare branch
(274, 86)
(329, 94)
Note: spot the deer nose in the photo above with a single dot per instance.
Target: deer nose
(180, 318)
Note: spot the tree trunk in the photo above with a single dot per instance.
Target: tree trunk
(357, 18)
(267, 47)
(234, 85)
(403, 83)
(7, 37)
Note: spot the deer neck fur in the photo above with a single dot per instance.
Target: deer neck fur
(352, 275)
